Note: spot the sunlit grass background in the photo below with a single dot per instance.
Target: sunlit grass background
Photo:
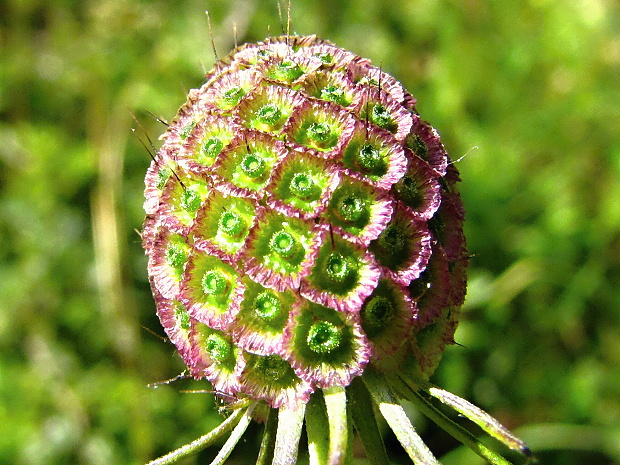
(529, 90)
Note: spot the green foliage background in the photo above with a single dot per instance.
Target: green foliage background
(529, 90)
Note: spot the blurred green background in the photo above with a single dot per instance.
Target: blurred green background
(529, 90)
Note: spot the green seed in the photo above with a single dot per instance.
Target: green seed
(283, 243)
(382, 117)
(253, 165)
(269, 114)
(324, 337)
(334, 94)
(231, 223)
(267, 306)
(288, 71)
(190, 200)
(337, 267)
(376, 314)
(215, 283)
(409, 192)
(302, 186)
(319, 132)
(212, 147)
(162, 176)
(187, 130)
(218, 347)
(369, 157)
(418, 147)
(392, 240)
(233, 95)
(350, 208)
(273, 367)
(181, 316)
(176, 256)
(393, 247)
(324, 57)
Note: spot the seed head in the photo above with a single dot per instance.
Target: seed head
(305, 238)
(300, 216)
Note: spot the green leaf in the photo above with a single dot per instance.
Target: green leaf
(336, 404)
(267, 445)
(234, 438)
(317, 428)
(365, 423)
(290, 422)
(485, 421)
(455, 430)
(396, 417)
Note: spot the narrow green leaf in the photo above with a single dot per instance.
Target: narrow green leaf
(317, 428)
(268, 442)
(203, 441)
(454, 429)
(336, 404)
(349, 460)
(485, 421)
(366, 423)
(233, 439)
(397, 418)
(290, 422)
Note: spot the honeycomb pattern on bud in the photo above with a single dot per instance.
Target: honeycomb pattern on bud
(302, 225)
